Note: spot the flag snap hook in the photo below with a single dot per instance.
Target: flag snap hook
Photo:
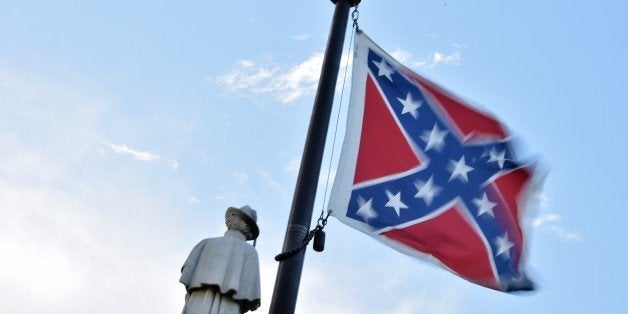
(355, 15)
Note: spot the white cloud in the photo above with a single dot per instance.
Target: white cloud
(300, 79)
(565, 235)
(218, 197)
(269, 181)
(545, 218)
(142, 155)
(193, 200)
(401, 55)
(434, 59)
(437, 58)
(246, 75)
(139, 155)
(551, 222)
(282, 83)
(458, 46)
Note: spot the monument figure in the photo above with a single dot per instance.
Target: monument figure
(221, 275)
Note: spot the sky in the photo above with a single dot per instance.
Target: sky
(128, 128)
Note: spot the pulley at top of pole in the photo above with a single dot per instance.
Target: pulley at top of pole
(351, 2)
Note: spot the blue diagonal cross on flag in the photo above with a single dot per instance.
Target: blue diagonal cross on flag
(430, 175)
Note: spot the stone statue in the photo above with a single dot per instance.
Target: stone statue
(221, 275)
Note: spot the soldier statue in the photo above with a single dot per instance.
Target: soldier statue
(221, 275)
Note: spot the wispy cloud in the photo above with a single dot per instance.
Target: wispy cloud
(246, 75)
(218, 197)
(458, 46)
(142, 155)
(551, 222)
(565, 235)
(401, 55)
(434, 59)
(139, 155)
(300, 79)
(268, 180)
(437, 58)
(545, 218)
(284, 83)
(240, 176)
(193, 200)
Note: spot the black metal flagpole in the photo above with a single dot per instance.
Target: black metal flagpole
(289, 272)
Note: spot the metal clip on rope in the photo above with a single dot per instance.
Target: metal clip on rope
(355, 15)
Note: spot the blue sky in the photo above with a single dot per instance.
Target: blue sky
(127, 129)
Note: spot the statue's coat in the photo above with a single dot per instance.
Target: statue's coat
(227, 265)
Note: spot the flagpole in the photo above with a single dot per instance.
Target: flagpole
(289, 271)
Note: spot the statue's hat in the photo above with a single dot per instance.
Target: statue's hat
(249, 215)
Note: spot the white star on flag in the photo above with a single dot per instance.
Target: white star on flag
(366, 209)
(484, 205)
(459, 169)
(410, 105)
(395, 202)
(427, 190)
(503, 245)
(500, 157)
(384, 69)
(434, 138)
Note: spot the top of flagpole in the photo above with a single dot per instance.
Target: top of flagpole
(351, 2)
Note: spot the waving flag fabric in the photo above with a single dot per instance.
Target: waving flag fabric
(428, 174)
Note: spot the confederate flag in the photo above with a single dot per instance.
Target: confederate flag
(431, 176)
